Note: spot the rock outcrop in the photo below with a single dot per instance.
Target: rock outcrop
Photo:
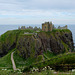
(29, 45)
(55, 41)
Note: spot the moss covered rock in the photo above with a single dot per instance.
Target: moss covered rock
(57, 41)
(32, 45)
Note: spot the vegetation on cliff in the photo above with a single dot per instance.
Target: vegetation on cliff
(33, 44)
(9, 39)
(58, 62)
(38, 49)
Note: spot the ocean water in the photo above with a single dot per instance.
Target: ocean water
(4, 28)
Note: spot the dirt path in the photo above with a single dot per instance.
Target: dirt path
(13, 63)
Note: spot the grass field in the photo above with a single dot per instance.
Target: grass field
(21, 62)
(51, 72)
(6, 65)
(5, 62)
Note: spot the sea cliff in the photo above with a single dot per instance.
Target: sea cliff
(34, 44)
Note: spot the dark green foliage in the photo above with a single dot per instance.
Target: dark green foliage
(58, 60)
(27, 69)
(48, 54)
(21, 62)
(39, 58)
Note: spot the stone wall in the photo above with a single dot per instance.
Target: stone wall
(65, 27)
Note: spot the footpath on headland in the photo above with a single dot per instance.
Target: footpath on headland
(13, 63)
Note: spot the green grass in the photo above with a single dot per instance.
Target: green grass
(48, 55)
(5, 62)
(10, 34)
(65, 59)
(9, 39)
(21, 62)
(10, 72)
(46, 72)
(59, 30)
(51, 59)
(66, 47)
(52, 72)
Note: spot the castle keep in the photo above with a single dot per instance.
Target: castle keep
(47, 26)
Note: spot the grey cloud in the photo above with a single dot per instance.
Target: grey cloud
(38, 4)
(42, 9)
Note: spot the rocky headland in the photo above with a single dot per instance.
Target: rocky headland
(34, 44)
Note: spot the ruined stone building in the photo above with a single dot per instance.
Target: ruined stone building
(22, 27)
(47, 26)
(65, 27)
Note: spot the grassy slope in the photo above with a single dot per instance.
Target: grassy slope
(59, 59)
(21, 62)
(62, 58)
(51, 72)
(5, 62)
(51, 59)
(10, 34)
(48, 55)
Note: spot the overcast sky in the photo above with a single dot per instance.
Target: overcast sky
(37, 11)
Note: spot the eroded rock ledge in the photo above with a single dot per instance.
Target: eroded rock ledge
(57, 41)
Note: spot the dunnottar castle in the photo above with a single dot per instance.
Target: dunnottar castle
(47, 26)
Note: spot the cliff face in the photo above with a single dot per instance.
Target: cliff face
(56, 41)
(7, 42)
(29, 45)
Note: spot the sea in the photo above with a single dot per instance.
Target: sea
(5, 28)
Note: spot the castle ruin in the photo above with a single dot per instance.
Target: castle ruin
(64, 27)
(47, 26)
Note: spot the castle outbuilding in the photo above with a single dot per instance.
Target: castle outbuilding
(47, 26)
(65, 27)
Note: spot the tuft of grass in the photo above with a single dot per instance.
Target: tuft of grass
(48, 55)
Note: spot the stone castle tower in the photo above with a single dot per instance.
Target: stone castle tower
(47, 26)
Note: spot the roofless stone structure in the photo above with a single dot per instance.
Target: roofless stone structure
(47, 26)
